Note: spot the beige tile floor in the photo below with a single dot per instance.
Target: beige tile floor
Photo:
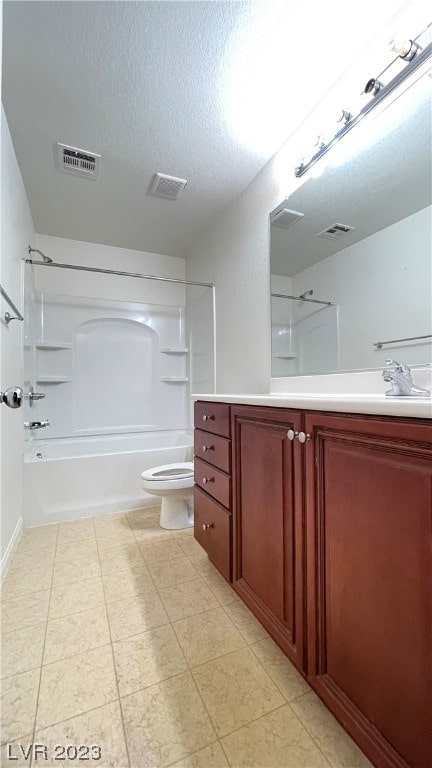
(118, 634)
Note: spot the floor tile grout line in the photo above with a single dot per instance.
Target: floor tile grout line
(199, 575)
(225, 753)
(248, 645)
(309, 734)
(254, 720)
(191, 754)
(170, 623)
(114, 662)
(191, 670)
(73, 717)
(45, 665)
(77, 653)
(43, 647)
(195, 685)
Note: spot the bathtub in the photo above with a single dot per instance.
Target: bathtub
(70, 478)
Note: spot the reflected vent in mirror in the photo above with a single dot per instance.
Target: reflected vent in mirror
(285, 218)
(336, 231)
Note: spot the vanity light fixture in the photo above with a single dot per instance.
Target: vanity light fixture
(405, 49)
(345, 116)
(416, 53)
(373, 86)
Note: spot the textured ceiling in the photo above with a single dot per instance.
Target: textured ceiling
(386, 176)
(206, 91)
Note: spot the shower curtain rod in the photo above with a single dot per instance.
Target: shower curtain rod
(115, 272)
(302, 298)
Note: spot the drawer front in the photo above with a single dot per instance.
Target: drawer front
(214, 449)
(213, 481)
(213, 417)
(216, 538)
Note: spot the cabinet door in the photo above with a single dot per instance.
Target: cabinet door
(268, 562)
(369, 574)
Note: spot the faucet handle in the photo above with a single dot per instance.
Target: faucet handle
(399, 367)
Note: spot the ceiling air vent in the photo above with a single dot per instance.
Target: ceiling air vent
(168, 187)
(336, 231)
(285, 218)
(78, 161)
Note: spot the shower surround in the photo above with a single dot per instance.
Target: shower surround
(113, 357)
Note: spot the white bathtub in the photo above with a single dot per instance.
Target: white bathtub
(71, 478)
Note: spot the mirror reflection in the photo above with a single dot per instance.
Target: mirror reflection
(354, 245)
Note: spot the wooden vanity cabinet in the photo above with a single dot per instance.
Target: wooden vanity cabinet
(212, 494)
(369, 580)
(332, 551)
(268, 529)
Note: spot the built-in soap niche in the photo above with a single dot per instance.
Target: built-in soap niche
(109, 367)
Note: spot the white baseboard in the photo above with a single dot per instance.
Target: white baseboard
(7, 557)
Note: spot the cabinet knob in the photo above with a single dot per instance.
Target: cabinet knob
(207, 418)
(206, 526)
(208, 480)
(291, 434)
(206, 448)
(303, 437)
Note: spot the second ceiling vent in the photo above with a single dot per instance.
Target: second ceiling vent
(168, 187)
(336, 231)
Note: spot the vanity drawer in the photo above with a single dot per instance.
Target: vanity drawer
(213, 417)
(214, 449)
(213, 481)
(212, 529)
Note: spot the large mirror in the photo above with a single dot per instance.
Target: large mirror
(366, 283)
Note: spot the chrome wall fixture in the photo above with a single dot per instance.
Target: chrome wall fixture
(302, 297)
(7, 315)
(12, 397)
(47, 262)
(380, 344)
(46, 259)
(415, 52)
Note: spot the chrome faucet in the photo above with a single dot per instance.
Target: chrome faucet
(401, 380)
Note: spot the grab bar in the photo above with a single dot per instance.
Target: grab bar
(8, 317)
(380, 344)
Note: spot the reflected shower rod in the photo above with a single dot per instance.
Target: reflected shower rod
(302, 298)
(110, 271)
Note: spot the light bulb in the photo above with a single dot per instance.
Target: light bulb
(404, 48)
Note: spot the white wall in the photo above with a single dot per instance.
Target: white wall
(233, 251)
(75, 283)
(234, 254)
(16, 233)
(389, 275)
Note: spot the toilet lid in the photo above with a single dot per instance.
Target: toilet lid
(169, 471)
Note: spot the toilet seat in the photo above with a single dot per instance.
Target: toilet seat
(174, 483)
(169, 472)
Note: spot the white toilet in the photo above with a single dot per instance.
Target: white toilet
(174, 483)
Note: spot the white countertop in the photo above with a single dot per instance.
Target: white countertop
(342, 403)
